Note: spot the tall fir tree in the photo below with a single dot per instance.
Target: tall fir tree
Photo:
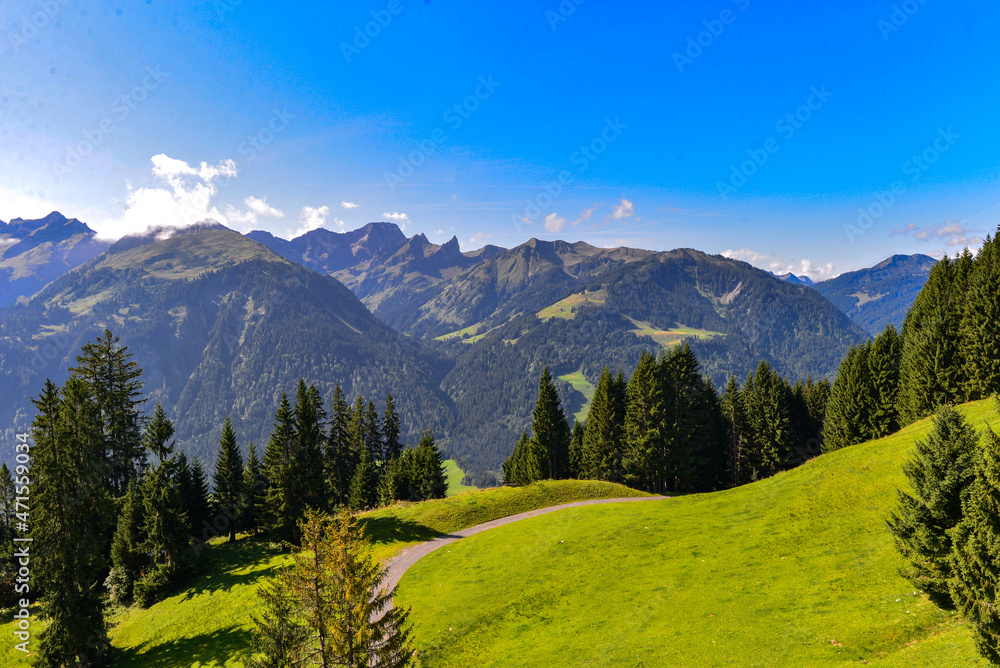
(128, 557)
(340, 456)
(550, 429)
(198, 504)
(115, 381)
(643, 428)
(940, 474)
(849, 412)
(71, 516)
(883, 373)
(282, 506)
(975, 582)
(254, 493)
(979, 334)
(524, 466)
(433, 484)
(308, 483)
(735, 424)
(229, 477)
(766, 409)
(602, 432)
(364, 486)
(391, 430)
(576, 451)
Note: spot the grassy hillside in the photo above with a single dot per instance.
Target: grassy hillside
(795, 570)
(454, 475)
(208, 624)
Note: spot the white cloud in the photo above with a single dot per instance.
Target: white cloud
(585, 216)
(349, 205)
(623, 210)
(951, 233)
(257, 208)
(554, 222)
(480, 239)
(313, 218)
(400, 219)
(187, 199)
(20, 205)
(780, 264)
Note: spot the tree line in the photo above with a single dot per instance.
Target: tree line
(666, 429)
(117, 510)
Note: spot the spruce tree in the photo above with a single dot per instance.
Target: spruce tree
(603, 431)
(939, 474)
(308, 484)
(282, 506)
(689, 436)
(339, 455)
(254, 493)
(279, 638)
(364, 486)
(975, 582)
(128, 558)
(979, 334)
(883, 373)
(158, 435)
(550, 428)
(390, 430)
(196, 500)
(766, 409)
(735, 425)
(643, 428)
(576, 451)
(115, 382)
(524, 466)
(70, 518)
(433, 484)
(229, 476)
(852, 400)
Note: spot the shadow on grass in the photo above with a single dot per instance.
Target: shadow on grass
(392, 530)
(227, 565)
(218, 647)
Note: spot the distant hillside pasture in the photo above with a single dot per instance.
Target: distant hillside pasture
(795, 570)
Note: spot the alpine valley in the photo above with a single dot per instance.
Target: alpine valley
(221, 322)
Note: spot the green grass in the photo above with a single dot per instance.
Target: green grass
(795, 570)
(208, 623)
(583, 386)
(454, 475)
(566, 308)
(471, 330)
(669, 337)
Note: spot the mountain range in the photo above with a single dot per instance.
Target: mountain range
(223, 322)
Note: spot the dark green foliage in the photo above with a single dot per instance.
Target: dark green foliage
(159, 433)
(8, 568)
(341, 453)
(975, 568)
(166, 524)
(979, 333)
(433, 484)
(128, 558)
(308, 484)
(390, 431)
(767, 413)
(115, 383)
(524, 466)
(279, 635)
(193, 485)
(282, 507)
(852, 400)
(883, 374)
(735, 434)
(254, 493)
(940, 473)
(228, 477)
(364, 485)
(645, 415)
(550, 429)
(71, 516)
(603, 431)
(576, 451)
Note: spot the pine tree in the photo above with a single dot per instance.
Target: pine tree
(735, 424)
(372, 432)
(70, 524)
(165, 527)
(940, 473)
(308, 483)
(524, 466)
(975, 582)
(550, 429)
(390, 430)
(229, 476)
(980, 337)
(330, 608)
(340, 458)
(883, 373)
(114, 380)
(128, 557)
(254, 493)
(433, 484)
(849, 412)
(576, 451)
(158, 434)
(196, 501)
(364, 486)
(766, 409)
(689, 436)
(643, 428)
(603, 431)
(282, 506)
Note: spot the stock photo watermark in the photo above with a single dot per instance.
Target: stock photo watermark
(562, 13)
(32, 24)
(786, 126)
(914, 168)
(704, 39)
(454, 117)
(901, 13)
(121, 108)
(22, 542)
(581, 159)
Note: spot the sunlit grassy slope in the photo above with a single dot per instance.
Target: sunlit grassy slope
(796, 570)
(208, 624)
(454, 475)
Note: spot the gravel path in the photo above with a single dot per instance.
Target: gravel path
(401, 563)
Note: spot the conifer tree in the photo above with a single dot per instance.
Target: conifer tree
(308, 482)
(550, 429)
(766, 409)
(979, 334)
(975, 582)
(158, 435)
(364, 486)
(433, 484)
(643, 429)
(524, 466)
(849, 412)
(603, 431)
(940, 473)
(165, 520)
(115, 382)
(229, 476)
(279, 636)
(254, 493)
(372, 431)
(390, 430)
(735, 423)
(688, 430)
(127, 554)
(340, 457)
(883, 372)
(70, 522)
(8, 566)
(282, 506)
(576, 451)
(196, 500)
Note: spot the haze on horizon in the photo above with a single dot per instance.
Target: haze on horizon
(812, 139)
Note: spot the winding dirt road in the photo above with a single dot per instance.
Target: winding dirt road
(401, 563)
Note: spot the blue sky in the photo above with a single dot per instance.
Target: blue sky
(814, 137)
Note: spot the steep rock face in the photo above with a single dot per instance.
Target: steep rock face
(221, 325)
(880, 295)
(35, 252)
